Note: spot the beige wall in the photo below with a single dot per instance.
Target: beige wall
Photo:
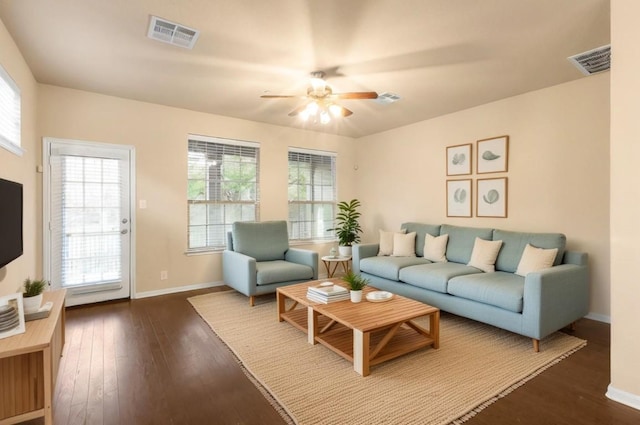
(625, 203)
(159, 135)
(22, 168)
(558, 170)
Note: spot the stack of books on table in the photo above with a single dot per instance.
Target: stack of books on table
(327, 294)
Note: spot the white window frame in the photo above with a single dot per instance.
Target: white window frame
(227, 226)
(10, 114)
(322, 234)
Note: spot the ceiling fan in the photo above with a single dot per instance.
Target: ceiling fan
(321, 100)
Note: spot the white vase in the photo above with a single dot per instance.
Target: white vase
(32, 304)
(345, 251)
(356, 296)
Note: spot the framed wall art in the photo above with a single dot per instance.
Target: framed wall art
(491, 197)
(459, 160)
(459, 198)
(11, 315)
(492, 155)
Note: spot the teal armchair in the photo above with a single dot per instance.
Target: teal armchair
(258, 259)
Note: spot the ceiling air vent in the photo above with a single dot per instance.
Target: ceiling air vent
(387, 98)
(593, 61)
(172, 33)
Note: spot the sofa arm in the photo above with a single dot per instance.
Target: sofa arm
(239, 272)
(360, 251)
(305, 257)
(554, 298)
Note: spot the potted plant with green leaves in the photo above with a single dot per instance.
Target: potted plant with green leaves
(356, 284)
(32, 294)
(347, 227)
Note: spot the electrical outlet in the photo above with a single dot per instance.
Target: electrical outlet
(164, 275)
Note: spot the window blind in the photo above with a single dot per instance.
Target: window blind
(222, 188)
(9, 113)
(312, 194)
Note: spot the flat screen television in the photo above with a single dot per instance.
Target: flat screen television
(10, 221)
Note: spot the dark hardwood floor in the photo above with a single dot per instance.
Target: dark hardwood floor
(154, 361)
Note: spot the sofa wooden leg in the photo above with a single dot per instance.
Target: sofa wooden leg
(252, 300)
(536, 345)
(572, 326)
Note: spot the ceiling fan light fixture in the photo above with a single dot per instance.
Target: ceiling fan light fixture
(312, 108)
(336, 110)
(304, 115)
(324, 117)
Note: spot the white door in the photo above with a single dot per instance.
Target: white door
(87, 220)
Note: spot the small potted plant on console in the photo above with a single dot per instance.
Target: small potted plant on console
(356, 284)
(32, 294)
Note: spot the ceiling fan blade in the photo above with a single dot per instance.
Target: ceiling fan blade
(357, 95)
(277, 96)
(346, 112)
(297, 110)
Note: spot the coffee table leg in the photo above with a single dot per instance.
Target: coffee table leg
(434, 328)
(361, 342)
(312, 325)
(280, 300)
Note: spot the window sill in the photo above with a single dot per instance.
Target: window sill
(194, 253)
(312, 242)
(15, 149)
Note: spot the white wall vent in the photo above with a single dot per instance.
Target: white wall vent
(172, 33)
(387, 98)
(593, 61)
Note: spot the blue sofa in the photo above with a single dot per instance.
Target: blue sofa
(535, 306)
(258, 259)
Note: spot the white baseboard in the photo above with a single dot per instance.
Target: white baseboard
(631, 400)
(599, 317)
(176, 289)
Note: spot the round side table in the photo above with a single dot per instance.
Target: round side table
(332, 263)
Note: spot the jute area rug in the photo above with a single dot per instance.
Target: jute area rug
(475, 366)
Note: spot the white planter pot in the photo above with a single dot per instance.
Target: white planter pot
(32, 304)
(356, 296)
(345, 251)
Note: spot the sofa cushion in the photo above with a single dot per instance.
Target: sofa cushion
(435, 248)
(484, 255)
(281, 271)
(461, 240)
(389, 267)
(434, 276)
(500, 289)
(535, 259)
(386, 241)
(421, 230)
(404, 245)
(264, 241)
(515, 242)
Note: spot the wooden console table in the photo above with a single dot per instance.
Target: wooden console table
(29, 366)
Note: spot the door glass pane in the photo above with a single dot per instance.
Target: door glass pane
(90, 216)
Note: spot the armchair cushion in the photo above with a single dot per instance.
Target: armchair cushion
(281, 271)
(264, 241)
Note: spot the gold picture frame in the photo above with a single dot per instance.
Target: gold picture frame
(492, 197)
(459, 158)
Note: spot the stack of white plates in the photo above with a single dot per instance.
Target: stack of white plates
(9, 318)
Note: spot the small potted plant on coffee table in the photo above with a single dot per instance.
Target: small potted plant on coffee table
(32, 294)
(356, 284)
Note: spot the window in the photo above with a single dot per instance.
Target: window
(312, 194)
(223, 188)
(9, 113)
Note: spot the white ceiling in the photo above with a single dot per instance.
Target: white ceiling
(439, 56)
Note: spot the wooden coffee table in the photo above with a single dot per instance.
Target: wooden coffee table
(364, 333)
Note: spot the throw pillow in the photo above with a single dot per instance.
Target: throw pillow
(534, 259)
(484, 255)
(435, 248)
(386, 242)
(404, 245)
